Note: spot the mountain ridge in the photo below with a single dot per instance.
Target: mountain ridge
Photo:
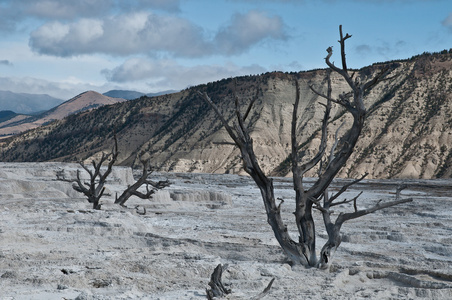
(408, 131)
(25, 103)
(82, 102)
(131, 95)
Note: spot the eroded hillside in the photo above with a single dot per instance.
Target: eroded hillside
(408, 131)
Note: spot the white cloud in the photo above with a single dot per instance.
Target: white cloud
(13, 12)
(64, 89)
(168, 74)
(58, 9)
(151, 34)
(87, 31)
(121, 35)
(247, 30)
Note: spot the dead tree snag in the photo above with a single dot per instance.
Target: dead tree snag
(218, 290)
(95, 188)
(303, 250)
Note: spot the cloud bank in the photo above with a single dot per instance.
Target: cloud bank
(151, 34)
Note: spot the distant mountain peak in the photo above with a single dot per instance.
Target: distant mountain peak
(24, 103)
(82, 102)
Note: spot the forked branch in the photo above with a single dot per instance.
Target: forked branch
(132, 190)
(344, 188)
(349, 216)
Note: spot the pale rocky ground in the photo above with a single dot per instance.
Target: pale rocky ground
(54, 246)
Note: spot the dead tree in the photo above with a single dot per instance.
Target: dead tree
(217, 289)
(303, 250)
(95, 188)
(132, 190)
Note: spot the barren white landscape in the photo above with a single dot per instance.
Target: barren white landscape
(54, 246)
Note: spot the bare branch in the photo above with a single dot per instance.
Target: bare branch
(345, 201)
(355, 206)
(265, 291)
(378, 78)
(91, 175)
(114, 156)
(294, 143)
(280, 203)
(323, 140)
(340, 71)
(342, 42)
(359, 213)
(230, 131)
(345, 187)
(224, 143)
(132, 190)
(322, 209)
(240, 129)
(256, 96)
(358, 112)
(399, 189)
(342, 100)
(336, 142)
(61, 177)
(159, 184)
(80, 187)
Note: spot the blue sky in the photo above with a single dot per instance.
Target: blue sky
(65, 47)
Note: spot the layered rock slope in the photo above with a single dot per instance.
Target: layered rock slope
(408, 131)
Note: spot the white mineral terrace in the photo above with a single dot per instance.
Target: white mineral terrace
(54, 246)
